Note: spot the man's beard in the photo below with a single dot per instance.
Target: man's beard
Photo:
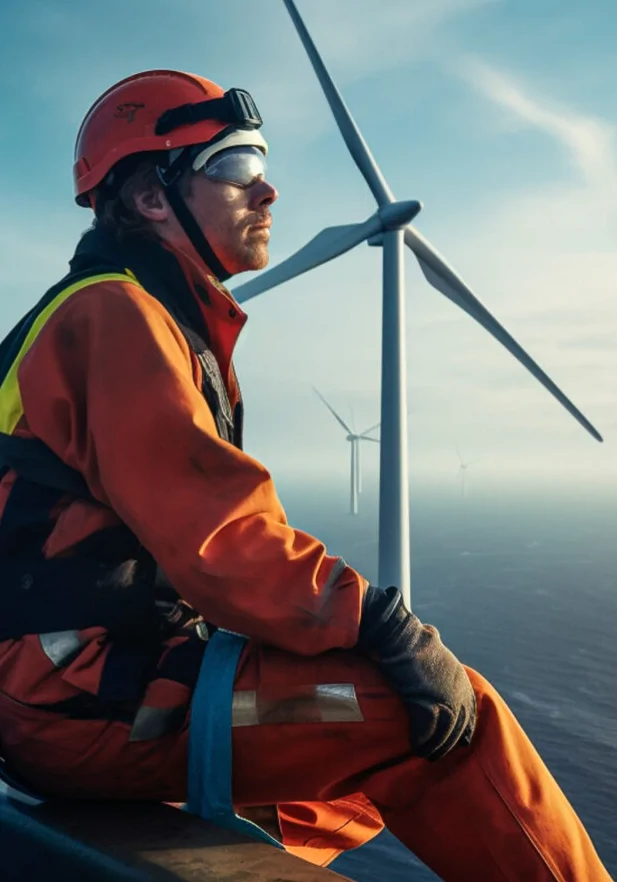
(254, 255)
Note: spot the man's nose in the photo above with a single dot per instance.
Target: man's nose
(263, 193)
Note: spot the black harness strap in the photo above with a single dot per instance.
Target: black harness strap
(41, 596)
(33, 459)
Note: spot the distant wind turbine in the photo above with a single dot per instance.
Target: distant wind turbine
(390, 228)
(461, 472)
(355, 440)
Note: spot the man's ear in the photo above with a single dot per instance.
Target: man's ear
(152, 204)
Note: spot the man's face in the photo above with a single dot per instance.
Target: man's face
(235, 221)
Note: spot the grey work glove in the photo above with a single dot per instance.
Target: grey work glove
(431, 681)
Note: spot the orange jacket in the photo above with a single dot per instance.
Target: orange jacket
(111, 386)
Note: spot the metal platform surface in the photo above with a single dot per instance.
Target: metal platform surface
(134, 842)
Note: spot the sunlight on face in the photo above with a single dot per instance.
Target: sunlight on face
(235, 221)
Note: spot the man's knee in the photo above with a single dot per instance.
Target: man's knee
(497, 731)
(489, 700)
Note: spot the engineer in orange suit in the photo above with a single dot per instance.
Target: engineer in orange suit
(133, 526)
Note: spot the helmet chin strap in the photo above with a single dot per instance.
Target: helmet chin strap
(193, 231)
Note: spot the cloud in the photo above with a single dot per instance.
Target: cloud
(549, 247)
(589, 142)
(604, 343)
(352, 35)
(254, 45)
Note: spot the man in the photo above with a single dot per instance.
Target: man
(133, 525)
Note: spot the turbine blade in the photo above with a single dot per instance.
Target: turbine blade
(364, 438)
(372, 429)
(333, 412)
(352, 136)
(444, 278)
(325, 246)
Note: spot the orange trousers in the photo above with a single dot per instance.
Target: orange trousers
(336, 761)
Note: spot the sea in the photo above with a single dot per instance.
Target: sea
(522, 584)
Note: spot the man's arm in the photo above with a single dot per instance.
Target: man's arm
(110, 385)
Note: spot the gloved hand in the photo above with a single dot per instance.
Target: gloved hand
(429, 678)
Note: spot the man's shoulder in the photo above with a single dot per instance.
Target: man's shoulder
(109, 310)
(101, 293)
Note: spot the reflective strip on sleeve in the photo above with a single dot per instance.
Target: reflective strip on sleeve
(60, 646)
(337, 571)
(322, 703)
(155, 722)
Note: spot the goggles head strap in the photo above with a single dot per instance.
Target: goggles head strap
(236, 107)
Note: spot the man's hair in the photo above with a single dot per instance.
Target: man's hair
(115, 200)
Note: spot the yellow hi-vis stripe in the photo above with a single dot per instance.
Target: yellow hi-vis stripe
(11, 407)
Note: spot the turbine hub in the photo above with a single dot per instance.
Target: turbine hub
(397, 215)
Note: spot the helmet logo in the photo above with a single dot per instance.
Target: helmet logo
(128, 111)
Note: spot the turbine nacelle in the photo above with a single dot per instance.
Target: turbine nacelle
(397, 215)
(362, 437)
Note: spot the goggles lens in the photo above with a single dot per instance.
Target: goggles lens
(241, 166)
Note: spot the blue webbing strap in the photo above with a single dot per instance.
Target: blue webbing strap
(209, 784)
(210, 757)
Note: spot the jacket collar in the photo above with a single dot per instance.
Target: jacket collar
(190, 293)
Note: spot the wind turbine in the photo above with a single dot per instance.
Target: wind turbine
(355, 440)
(389, 227)
(461, 472)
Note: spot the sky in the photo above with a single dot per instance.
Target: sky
(498, 115)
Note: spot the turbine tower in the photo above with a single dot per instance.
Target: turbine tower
(389, 227)
(355, 440)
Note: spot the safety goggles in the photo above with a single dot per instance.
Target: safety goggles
(241, 166)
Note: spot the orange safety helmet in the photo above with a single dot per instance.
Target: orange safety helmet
(162, 110)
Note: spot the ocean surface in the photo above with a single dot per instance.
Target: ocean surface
(523, 587)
